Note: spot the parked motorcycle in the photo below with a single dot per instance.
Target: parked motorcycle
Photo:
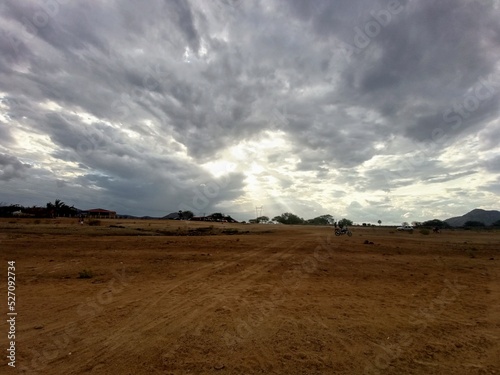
(340, 232)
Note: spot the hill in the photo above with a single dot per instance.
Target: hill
(484, 216)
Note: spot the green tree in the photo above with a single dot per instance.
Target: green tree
(321, 220)
(288, 218)
(68, 211)
(58, 205)
(379, 222)
(59, 208)
(436, 223)
(262, 219)
(344, 222)
(474, 224)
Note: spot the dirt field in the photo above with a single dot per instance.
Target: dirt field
(169, 297)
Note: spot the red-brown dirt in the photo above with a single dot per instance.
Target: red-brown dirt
(169, 297)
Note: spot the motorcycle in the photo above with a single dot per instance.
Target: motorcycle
(340, 232)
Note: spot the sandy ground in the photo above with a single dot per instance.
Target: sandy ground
(186, 298)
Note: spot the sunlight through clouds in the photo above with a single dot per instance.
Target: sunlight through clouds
(310, 107)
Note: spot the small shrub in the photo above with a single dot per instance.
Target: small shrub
(470, 253)
(425, 231)
(94, 223)
(85, 274)
(230, 231)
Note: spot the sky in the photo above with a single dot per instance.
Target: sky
(370, 110)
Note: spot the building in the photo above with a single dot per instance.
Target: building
(99, 213)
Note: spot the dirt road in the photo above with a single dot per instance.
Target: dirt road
(187, 298)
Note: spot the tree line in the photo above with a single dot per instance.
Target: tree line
(435, 223)
(290, 218)
(56, 209)
(60, 209)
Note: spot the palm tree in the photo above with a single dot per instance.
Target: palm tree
(58, 205)
(50, 209)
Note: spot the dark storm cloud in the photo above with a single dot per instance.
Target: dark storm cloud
(406, 172)
(11, 167)
(437, 54)
(139, 94)
(186, 23)
(493, 164)
(489, 137)
(130, 170)
(447, 177)
(425, 72)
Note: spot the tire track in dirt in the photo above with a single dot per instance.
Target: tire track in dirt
(222, 290)
(355, 277)
(182, 312)
(494, 314)
(61, 336)
(241, 278)
(225, 289)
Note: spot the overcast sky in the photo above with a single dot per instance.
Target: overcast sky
(362, 109)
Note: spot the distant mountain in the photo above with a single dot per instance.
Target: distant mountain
(126, 216)
(486, 217)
